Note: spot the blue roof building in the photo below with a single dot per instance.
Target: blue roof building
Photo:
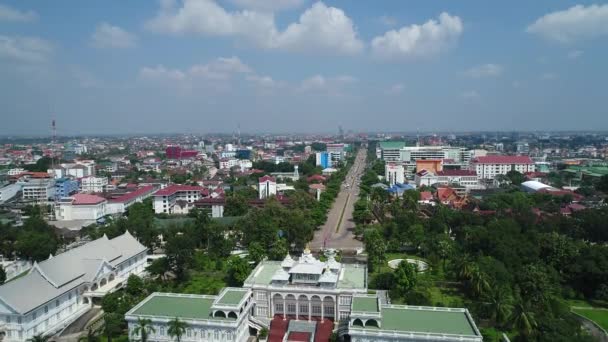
(65, 187)
(399, 188)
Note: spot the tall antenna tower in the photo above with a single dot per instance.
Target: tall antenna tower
(238, 129)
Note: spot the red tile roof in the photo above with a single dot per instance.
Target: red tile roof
(172, 189)
(267, 178)
(426, 195)
(132, 195)
(456, 173)
(503, 160)
(86, 199)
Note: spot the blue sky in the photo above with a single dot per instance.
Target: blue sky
(302, 66)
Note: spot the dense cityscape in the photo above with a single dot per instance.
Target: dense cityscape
(303, 171)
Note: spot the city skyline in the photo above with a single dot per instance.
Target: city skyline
(298, 65)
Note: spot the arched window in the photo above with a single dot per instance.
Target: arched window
(219, 314)
(357, 323)
(371, 323)
(232, 314)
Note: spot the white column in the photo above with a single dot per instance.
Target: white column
(309, 309)
(322, 308)
(284, 309)
(297, 309)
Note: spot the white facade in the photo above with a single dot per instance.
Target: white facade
(267, 187)
(58, 295)
(490, 166)
(395, 173)
(93, 184)
(38, 190)
(68, 210)
(14, 172)
(165, 200)
(79, 169)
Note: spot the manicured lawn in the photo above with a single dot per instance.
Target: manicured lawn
(599, 316)
(579, 302)
(205, 283)
(448, 296)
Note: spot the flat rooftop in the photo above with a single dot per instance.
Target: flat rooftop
(232, 297)
(262, 275)
(365, 304)
(352, 276)
(194, 307)
(426, 320)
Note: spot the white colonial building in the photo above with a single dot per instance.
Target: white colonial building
(301, 299)
(395, 173)
(59, 290)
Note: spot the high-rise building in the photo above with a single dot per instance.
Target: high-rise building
(395, 174)
(323, 159)
(267, 186)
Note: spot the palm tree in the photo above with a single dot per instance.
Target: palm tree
(111, 325)
(143, 328)
(177, 328)
(479, 282)
(464, 267)
(38, 338)
(500, 301)
(523, 320)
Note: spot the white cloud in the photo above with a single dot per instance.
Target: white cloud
(415, 40)
(262, 81)
(549, 76)
(470, 95)
(222, 68)
(387, 20)
(575, 54)
(329, 85)
(268, 5)
(320, 28)
(11, 14)
(25, 49)
(396, 89)
(110, 36)
(485, 70)
(576, 23)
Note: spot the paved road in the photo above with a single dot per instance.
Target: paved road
(337, 232)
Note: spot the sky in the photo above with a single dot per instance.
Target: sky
(205, 66)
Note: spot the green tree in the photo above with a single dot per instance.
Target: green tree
(112, 324)
(135, 286)
(238, 270)
(375, 248)
(515, 177)
(38, 338)
(405, 278)
(177, 329)
(523, 320)
(499, 302)
(179, 250)
(602, 184)
(143, 329)
(256, 251)
(2, 275)
(236, 205)
(279, 250)
(159, 268)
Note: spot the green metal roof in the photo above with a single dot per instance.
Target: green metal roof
(365, 304)
(185, 307)
(232, 297)
(262, 275)
(352, 276)
(426, 321)
(392, 144)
